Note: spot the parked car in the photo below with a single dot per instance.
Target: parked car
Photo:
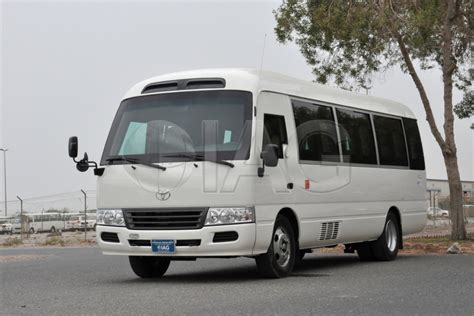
(91, 222)
(6, 227)
(437, 212)
(78, 222)
(74, 222)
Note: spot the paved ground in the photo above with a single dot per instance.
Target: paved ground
(82, 281)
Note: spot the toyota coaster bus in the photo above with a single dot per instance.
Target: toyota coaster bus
(233, 162)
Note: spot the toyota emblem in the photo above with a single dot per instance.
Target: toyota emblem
(163, 194)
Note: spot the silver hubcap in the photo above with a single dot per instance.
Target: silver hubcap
(391, 235)
(281, 247)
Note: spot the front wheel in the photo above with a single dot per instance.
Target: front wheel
(279, 260)
(149, 267)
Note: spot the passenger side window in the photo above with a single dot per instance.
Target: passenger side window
(316, 131)
(275, 132)
(415, 148)
(390, 141)
(357, 138)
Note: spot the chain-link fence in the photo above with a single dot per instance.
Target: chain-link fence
(70, 202)
(57, 219)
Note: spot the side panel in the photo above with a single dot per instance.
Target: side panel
(355, 197)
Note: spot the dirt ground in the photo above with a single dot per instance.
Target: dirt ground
(70, 239)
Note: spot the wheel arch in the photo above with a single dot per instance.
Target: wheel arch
(291, 216)
(396, 211)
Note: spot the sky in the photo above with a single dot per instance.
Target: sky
(66, 65)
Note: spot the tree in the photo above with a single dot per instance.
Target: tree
(347, 41)
(465, 108)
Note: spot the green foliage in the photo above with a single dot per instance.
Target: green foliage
(465, 108)
(347, 41)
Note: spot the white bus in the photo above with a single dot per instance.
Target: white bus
(234, 162)
(39, 222)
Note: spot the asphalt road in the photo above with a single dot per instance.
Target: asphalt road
(83, 281)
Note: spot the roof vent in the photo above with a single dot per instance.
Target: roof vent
(185, 84)
(211, 83)
(161, 87)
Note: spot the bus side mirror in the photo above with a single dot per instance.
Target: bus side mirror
(269, 155)
(84, 164)
(72, 147)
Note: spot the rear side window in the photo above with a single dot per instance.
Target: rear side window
(275, 132)
(316, 131)
(357, 138)
(390, 141)
(415, 149)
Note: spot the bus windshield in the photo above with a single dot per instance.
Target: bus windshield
(178, 126)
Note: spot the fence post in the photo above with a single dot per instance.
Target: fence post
(85, 214)
(21, 218)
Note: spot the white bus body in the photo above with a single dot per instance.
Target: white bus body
(350, 171)
(40, 222)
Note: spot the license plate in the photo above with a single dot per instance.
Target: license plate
(163, 246)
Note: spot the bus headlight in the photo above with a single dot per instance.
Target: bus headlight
(110, 217)
(229, 215)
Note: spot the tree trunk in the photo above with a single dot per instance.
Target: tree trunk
(456, 211)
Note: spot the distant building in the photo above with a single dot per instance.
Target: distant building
(443, 186)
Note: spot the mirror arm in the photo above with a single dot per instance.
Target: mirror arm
(261, 170)
(97, 171)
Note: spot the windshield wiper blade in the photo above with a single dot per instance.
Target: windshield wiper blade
(203, 158)
(132, 160)
(136, 161)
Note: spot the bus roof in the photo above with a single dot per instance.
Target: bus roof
(255, 81)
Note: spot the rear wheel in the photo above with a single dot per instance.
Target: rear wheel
(279, 260)
(32, 230)
(53, 229)
(385, 248)
(149, 267)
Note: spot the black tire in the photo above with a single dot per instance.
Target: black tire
(32, 230)
(149, 267)
(364, 251)
(53, 229)
(385, 248)
(279, 263)
(300, 256)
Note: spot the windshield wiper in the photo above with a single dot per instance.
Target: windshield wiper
(202, 158)
(135, 161)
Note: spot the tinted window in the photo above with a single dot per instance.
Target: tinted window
(357, 139)
(390, 141)
(275, 132)
(316, 131)
(415, 149)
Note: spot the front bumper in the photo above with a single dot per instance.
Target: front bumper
(243, 246)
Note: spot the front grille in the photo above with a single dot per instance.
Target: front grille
(225, 236)
(179, 243)
(165, 219)
(109, 237)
